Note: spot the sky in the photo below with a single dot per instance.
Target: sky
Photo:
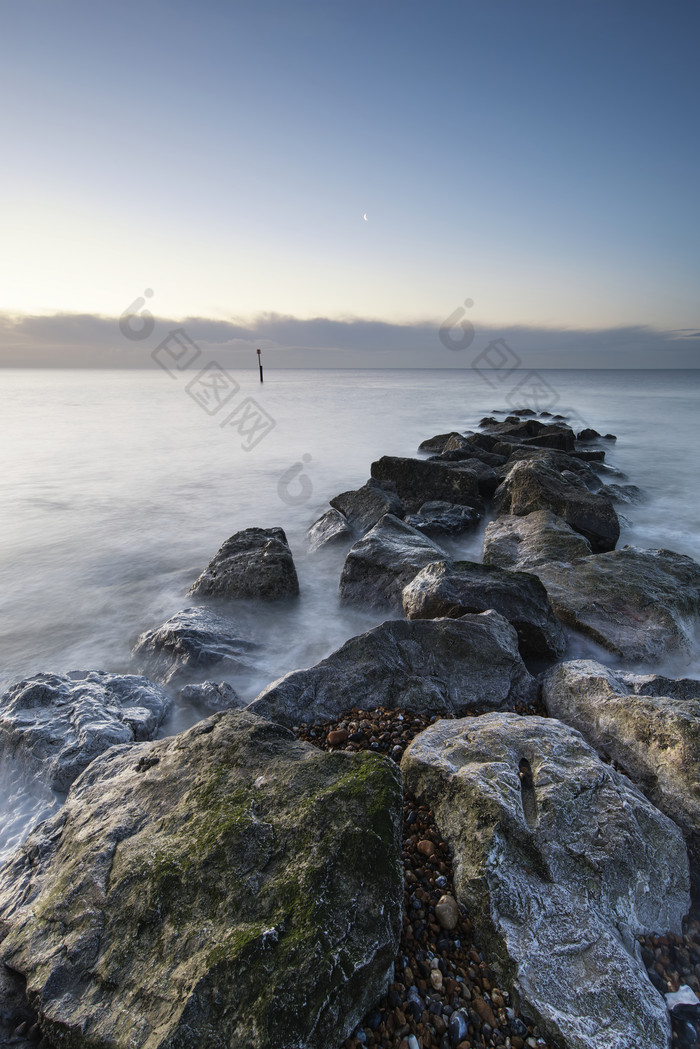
(354, 173)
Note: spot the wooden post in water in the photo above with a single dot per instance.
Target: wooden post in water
(260, 364)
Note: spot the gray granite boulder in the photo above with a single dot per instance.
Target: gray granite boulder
(432, 666)
(212, 696)
(561, 862)
(453, 588)
(230, 886)
(331, 529)
(53, 725)
(649, 725)
(420, 481)
(535, 485)
(363, 507)
(439, 518)
(523, 543)
(190, 642)
(380, 564)
(643, 605)
(256, 563)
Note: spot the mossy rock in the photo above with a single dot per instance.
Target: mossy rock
(228, 886)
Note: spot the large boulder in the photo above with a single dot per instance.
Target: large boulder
(228, 886)
(535, 485)
(558, 461)
(432, 666)
(190, 642)
(439, 518)
(53, 725)
(256, 562)
(561, 863)
(649, 725)
(363, 507)
(453, 588)
(420, 481)
(379, 565)
(523, 543)
(330, 529)
(642, 605)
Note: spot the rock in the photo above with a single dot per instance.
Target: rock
(436, 666)
(435, 445)
(536, 433)
(256, 562)
(453, 588)
(379, 565)
(589, 455)
(560, 863)
(587, 434)
(440, 518)
(192, 640)
(228, 886)
(532, 486)
(486, 477)
(367, 505)
(560, 462)
(621, 493)
(419, 481)
(212, 697)
(650, 726)
(523, 543)
(331, 528)
(447, 911)
(52, 725)
(640, 604)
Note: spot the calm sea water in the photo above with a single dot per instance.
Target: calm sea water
(117, 488)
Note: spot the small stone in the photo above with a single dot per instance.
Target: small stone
(413, 1042)
(458, 1027)
(337, 737)
(447, 911)
(436, 979)
(426, 847)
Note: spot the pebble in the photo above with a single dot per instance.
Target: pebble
(447, 911)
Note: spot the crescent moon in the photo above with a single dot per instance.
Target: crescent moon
(365, 216)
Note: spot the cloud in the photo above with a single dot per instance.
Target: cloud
(91, 341)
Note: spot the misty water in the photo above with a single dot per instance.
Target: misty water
(118, 487)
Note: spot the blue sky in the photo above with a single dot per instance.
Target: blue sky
(541, 159)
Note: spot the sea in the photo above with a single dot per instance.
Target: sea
(117, 487)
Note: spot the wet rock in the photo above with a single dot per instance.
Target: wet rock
(379, 565)
(560, 863)
(453, 588)
(587, 434)
(640, 604)
(212, 696)
(53, 725)
(441, 665)
(558, 461)
(191, 641)
(530, 486)
(436, 445)
(331, 528)
(649, 725)
(365, 506)
(440, 518)
(420, 481)
(523, 543)
(621, 493)
(228, 886)
(254, 563)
